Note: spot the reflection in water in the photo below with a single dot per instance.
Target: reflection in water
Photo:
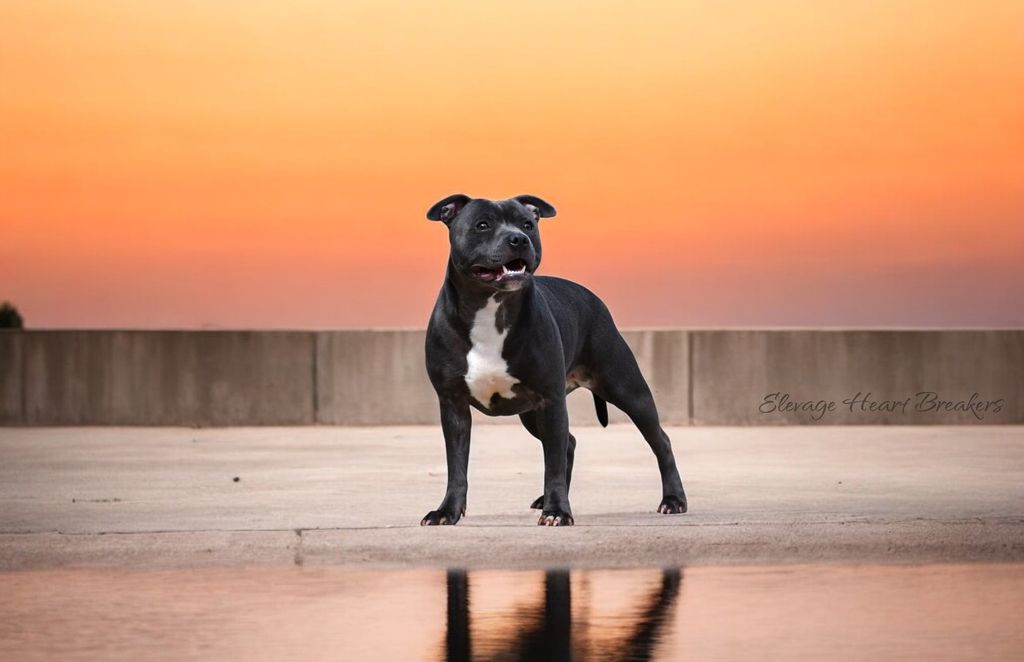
(544, 630)
(801, 613)
(457, 633)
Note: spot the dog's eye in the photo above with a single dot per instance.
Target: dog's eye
(483, 225)
(528, 225)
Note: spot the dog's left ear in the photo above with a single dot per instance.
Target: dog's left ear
(445, 210)
(539, 208)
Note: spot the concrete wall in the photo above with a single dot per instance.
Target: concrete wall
(733, 371)
(377, 377)
(158, 378)
(366, 377)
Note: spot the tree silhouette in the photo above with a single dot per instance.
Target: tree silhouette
(10, 318)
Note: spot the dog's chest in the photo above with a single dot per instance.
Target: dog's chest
(486, 370)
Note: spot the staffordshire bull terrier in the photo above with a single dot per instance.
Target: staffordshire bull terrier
(508, 342)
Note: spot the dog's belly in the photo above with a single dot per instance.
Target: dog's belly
(577, 377)
(499, 406)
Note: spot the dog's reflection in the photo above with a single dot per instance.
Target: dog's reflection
(544, 628)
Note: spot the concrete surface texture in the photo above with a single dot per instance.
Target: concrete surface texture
(377, 377)
(354, 496)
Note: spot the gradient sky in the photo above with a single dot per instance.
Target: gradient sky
(268, 164)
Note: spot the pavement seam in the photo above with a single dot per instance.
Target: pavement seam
(300, 530)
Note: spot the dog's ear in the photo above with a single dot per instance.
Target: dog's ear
(446, 209)
(539, 208)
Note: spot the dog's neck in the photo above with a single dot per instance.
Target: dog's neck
(468, 296)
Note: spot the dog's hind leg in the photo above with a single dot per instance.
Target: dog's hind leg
(529, 420)
(618, 380)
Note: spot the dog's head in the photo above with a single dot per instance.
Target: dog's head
(493, 242)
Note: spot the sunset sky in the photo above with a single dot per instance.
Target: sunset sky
(204, 164)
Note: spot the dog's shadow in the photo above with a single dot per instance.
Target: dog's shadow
(545, 630)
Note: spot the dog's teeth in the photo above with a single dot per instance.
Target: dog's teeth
(505, 271)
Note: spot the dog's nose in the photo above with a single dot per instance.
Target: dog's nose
(518, 239)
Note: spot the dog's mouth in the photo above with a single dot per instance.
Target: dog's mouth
(512, 271)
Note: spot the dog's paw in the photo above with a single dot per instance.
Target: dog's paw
(538, 503)
(672, 505)
(555, 518)
(440, 518)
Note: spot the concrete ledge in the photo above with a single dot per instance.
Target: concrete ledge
(518, 547)
(366, 377)
(12, 388)
(885, 377)
(166, 378)
(200, 378)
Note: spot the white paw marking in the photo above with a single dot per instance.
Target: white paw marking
(487, 371)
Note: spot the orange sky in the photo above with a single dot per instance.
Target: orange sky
(268, 164)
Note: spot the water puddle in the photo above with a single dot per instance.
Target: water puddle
(935, 612)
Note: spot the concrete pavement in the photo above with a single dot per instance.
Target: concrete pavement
(157, 497)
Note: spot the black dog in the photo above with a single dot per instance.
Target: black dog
(508, 342)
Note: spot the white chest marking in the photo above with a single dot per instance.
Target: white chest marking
(487, 371)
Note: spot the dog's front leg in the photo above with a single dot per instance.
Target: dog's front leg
(553, 426)
(456, 423)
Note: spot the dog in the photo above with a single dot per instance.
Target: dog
(509, 342)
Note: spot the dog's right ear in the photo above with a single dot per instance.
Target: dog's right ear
(446, 209)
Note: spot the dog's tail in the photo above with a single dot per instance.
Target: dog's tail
(602, 410)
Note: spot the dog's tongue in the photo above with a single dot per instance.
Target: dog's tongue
(487, 274)
(501, 273)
